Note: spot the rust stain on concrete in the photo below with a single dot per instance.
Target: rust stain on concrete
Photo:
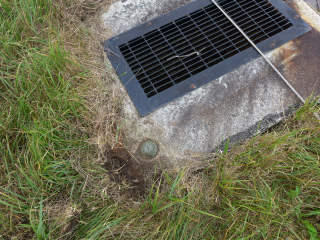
(299, 60)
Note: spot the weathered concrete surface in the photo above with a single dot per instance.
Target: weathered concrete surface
(124, 15)
(313, 3)
(236, 106)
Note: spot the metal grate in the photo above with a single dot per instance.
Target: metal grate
(171, 55)
(201, 39)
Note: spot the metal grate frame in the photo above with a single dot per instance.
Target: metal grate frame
(145, 57)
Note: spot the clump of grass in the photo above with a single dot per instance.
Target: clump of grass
(270, 185)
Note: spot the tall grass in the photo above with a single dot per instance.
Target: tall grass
(267, 188)
(42, 116)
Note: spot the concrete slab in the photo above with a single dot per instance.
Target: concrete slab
(241, 103)
(124, 15)
(313, 3)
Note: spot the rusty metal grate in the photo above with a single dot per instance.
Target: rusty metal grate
(177, 51)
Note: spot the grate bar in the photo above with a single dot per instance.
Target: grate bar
(236, 33)
(170, 65)
(173, 34)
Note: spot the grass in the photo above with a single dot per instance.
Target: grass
(53, 130)
(42, 119)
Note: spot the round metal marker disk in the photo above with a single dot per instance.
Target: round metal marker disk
(148, 149)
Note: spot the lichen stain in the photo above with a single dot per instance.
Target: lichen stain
(299, 59)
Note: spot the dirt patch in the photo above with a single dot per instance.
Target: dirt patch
(121, 167)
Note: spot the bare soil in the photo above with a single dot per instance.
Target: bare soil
(121, 167)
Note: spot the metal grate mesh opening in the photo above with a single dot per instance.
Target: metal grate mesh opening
(152, 56)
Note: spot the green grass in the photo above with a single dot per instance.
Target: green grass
(40, 116)
(52, 188)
